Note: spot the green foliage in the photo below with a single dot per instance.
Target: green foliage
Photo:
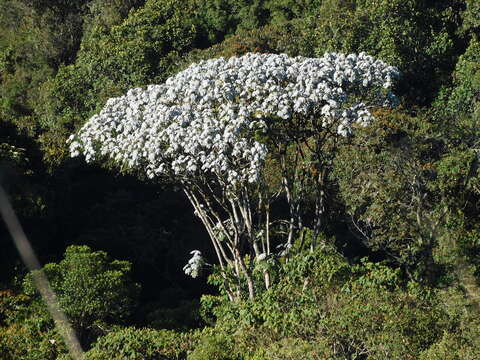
(331, 309)
(402, 179)
(7, 61)
(213, 345)
(286, 38)
(141, 344)
(95, 293)
(12, 306)
(459, 344)
(465, 95)
(27, 51)
(458, 248)
(30, 343)
(144, 48)
(295, 349)
(107, 13)
(108, 294)
(410, 182)
(26, 330)
(219, 18)
(18, 171)
(285, 10)
(415, 36)
(385, 178)
(471, 17)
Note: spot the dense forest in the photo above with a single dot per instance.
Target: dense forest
(330, 210)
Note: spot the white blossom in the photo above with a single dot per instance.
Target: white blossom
(200, 121)
(261, 257)
(195, 264)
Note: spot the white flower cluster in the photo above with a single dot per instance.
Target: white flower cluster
(195, 264)
(202, 119)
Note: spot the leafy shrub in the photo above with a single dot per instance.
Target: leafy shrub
(214, 345)
(333, 309)
(140, 344)
(295, 349)
(30, 340)
(330, 308)
(90, 288)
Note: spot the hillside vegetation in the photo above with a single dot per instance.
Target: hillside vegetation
(335, 240)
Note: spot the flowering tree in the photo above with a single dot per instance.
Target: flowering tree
(215, 126)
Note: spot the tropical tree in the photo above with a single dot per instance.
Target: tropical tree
(236, 134)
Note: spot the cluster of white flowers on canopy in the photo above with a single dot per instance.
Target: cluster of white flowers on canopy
(195, 264)
(201, 120)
